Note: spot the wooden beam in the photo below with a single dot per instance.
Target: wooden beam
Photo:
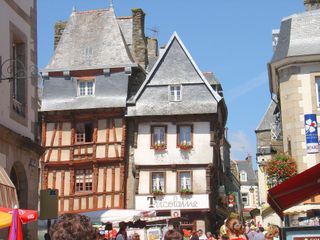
(52, 141)
(113, 185)
(59, 141)
(115, 137)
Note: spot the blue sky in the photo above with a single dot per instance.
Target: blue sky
(231, 38)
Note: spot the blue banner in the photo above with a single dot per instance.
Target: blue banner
(311, 127)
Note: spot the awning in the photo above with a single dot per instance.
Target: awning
(295, 190)
(117, 215)
(8, 196)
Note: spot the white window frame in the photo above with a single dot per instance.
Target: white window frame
(175, 97)
(185, 182)
(243, 176)
(86, 88)
(317, 80)
(158, 181)
(246, 196)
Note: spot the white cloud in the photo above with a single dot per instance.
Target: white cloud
(247, 86)
(240, 145)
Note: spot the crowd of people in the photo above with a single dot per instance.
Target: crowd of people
(79, 227)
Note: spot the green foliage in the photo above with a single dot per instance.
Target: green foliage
(185, 191)
(280, 168)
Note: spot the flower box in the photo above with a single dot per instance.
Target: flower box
(185, 192)
(157, 193)
(159, 146)
(185, 146)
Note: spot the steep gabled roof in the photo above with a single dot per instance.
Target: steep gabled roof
(175, 66)
(268, 118)
(91, 40)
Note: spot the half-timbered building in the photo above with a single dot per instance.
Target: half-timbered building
(86, 86)
(177, 120)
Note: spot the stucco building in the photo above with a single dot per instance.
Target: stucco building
(19, 148)
(177, 121)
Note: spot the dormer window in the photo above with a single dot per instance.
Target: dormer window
(175, 93)
(86, 87)
(243, 176)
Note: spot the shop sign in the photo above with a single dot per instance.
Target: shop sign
(311, 129)
(169, 202)
(307, 238)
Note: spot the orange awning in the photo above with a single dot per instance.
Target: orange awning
(8, 196)
(295, 190)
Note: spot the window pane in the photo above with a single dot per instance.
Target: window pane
(185, 180)
(157, 181)
(90, 88)
(82, 88)
(185, 134)
(159, 135)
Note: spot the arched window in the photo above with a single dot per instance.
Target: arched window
(243, 176)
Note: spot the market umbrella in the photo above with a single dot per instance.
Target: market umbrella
(15, 228)
(24, 215)
(5, 219)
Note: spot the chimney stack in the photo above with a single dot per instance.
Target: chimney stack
(58, 30)
(310, 5)
(138, 38)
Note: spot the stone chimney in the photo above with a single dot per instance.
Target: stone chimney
(139, 44)
(152, 44)
(311, 5)
(58, 30)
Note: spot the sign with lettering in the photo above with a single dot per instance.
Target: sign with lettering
(311, 129)
(307, 238)
(169, 202)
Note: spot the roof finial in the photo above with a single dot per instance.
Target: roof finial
(110, 3)
(74, 9)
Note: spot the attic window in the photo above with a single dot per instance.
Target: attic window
(86, 87)
(175, 93)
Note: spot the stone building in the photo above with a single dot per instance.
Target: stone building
(177, 120)
(294, 79)
(269, 142)
(19, 148)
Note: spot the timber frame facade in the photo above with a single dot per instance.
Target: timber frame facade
(102, 159)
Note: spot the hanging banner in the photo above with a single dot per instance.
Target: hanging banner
(311, 127)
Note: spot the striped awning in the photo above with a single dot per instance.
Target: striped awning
(8, 195)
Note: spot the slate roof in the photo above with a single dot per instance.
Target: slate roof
(61, 93)
(299, 35)
(174, 66)
(91, 40)
(268, 117)
(246, 166)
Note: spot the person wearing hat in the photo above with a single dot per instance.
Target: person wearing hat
(252, 232)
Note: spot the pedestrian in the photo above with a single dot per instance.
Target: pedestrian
(210, 236)
(260, 234)
(194, 236)
(252, 232)
(135, 236)
(122, 233)
(201, 235)
(234, 228)
(172, 234)
(72, 227)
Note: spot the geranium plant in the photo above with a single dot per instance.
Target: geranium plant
(185, 146)
(185, 191)
(157, 192)
(159, 146)
(280, 168)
